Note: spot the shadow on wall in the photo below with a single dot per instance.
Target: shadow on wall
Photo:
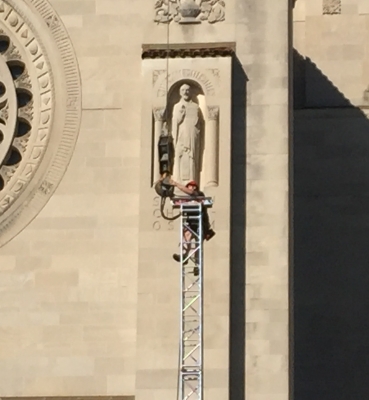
(331, 241)
(238, 235)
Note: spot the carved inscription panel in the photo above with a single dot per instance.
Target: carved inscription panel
(207, 80)
(159, 223)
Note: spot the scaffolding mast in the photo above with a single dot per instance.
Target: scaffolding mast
(190, 374)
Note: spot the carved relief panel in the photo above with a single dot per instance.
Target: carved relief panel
(331, 7)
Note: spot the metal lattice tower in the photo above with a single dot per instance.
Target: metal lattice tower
(190, 379)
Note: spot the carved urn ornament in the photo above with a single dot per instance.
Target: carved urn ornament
(189, 11)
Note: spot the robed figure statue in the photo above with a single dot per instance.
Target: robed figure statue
(188, 134)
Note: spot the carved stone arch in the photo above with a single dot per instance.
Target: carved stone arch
(205, 79)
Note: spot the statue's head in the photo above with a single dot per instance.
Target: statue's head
(185, 92)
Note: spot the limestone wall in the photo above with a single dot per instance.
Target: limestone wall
(68, 297)
(265, 53)
(89, 296)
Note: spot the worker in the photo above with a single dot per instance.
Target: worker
(192, 189)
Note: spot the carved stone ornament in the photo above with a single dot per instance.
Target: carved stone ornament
(331, 7)
(38, 70)
(189, 11)
(159, 113)
(213, 112)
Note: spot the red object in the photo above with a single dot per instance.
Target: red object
(192, 183)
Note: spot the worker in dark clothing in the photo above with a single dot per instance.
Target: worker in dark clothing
(192, 189)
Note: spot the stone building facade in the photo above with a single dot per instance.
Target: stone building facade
(89, 297)
(89, 291)
(330, 198)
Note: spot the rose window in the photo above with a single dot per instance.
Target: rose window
(38, 70)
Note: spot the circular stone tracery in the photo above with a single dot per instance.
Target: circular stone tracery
(14, 130)
(36, 137)
(8, 107)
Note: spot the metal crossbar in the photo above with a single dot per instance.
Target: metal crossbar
(191, 301)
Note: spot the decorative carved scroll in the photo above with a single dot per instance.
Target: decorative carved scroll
(331, 7)
(189, 11)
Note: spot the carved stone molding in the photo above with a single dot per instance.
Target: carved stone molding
(331, 7)
(207, 82)
(189, 11)
(177, 52)
(38, 70)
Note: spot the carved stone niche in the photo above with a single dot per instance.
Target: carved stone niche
(189, 114)
(189, 11)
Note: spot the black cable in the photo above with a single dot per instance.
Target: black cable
(162, 204)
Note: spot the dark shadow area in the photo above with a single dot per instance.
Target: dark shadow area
(238, 235)
(312, 89)
(331, 241)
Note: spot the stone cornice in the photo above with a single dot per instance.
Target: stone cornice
(201, 50)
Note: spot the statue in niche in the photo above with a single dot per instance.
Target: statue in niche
(188, 133)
